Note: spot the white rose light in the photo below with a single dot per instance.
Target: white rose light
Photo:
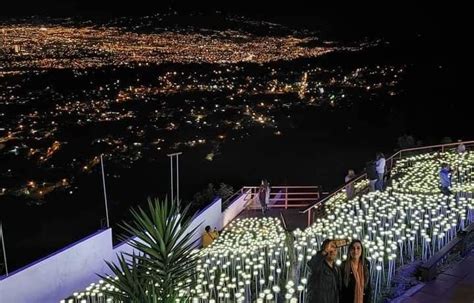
(247, 262)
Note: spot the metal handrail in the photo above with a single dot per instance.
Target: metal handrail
(281, 193)
(398, 153)
(434, 146)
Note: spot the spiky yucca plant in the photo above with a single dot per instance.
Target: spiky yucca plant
(165, 260)
(131, 285)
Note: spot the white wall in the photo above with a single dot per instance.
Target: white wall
(211, 215)
(75, 267)
(59, 275)
(235, 208)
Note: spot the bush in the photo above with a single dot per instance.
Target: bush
(406, 141)
(446, 140)
(205, 196)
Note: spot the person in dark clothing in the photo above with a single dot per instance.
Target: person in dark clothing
(267, 192)
(355, 286)
(445, 179)
(372, 175)
(262, 195)
(324, 280)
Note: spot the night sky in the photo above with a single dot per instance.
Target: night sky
(444, 24)
(393, 17)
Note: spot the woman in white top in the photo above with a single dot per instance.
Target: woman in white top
(461, 147)
(380, 168)
(350, 187)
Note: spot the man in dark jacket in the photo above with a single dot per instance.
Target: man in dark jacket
(324, 282)
(372, 175)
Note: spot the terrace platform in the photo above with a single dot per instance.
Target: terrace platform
(455, 285)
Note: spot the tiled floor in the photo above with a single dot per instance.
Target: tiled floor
(454, 285)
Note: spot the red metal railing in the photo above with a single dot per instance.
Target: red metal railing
(280, 196)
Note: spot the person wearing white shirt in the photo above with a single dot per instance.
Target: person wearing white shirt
(350, 189)
(461, 147)
(380, 168)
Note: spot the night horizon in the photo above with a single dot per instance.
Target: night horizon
(295, 95)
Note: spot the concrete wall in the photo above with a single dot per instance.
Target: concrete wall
(60, 274)
(75, 267)
(211, 215)
(235, 208)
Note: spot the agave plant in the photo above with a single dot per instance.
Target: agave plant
(131, 285)
(163, 239)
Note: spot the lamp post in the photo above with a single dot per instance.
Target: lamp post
(105, 192)
(174, 157)
(3, 248)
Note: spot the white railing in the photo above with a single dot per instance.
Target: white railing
(390, 162)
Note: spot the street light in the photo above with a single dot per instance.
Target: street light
(3, 248)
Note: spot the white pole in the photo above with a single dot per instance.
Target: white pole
(3, 248)
(105, 192)
(171, 177)
(177, 175)
(177, 178)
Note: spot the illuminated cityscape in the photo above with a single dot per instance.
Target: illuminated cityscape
(220, 151)
(149, 110)
(243, 98)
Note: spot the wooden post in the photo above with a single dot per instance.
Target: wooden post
(309, 217)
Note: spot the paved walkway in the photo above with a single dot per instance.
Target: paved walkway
(454, 285)
(294, 219)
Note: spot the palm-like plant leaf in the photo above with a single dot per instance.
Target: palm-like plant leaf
(133, 287)
(162, 237)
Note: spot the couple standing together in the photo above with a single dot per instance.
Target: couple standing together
(348, 283)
